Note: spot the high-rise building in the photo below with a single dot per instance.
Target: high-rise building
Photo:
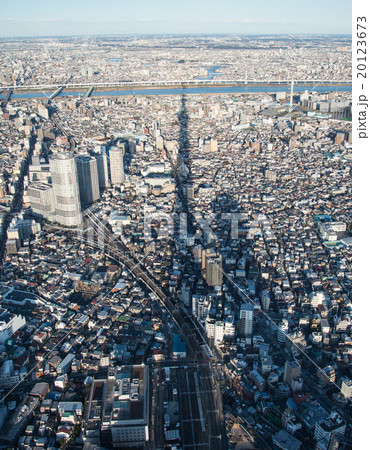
(266, 364)
(297, 384)
(207, 253)
(282, 331)
(246, 320)
(214, 270)
(117, 175)
(159, 142)
(102, 163)
(292, 370)
(43, 111)
(214, 145)
(185, 294)
(327, 427)
(21, 228)
(265, 300)
(190, 191)
(346, 388)
(210, 327)
(219, 331)
(131, 147)
(339, 138)
(229, 328)
(42, 200)
(87, 170)
(200, 307)
(65, 189)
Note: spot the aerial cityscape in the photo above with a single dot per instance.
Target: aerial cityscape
(176, 240)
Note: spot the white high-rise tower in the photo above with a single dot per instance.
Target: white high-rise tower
(65, 189)
(246, 320)
(102, 162)
(117, 175)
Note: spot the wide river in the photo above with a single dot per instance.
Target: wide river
(192, 90)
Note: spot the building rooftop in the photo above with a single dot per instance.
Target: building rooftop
(126, 396)
(286, 441)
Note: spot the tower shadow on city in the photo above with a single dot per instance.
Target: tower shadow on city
(184, 132)
(182, 163)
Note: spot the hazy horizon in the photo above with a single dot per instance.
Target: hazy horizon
(176, 35)
(43, 18)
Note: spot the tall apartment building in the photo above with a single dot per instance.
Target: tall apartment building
(282, 331)
(210, 327)
(213, 268)
(42, 200)
(200, 306)
(333, 425)
(229, 327)
(205, 254)
(185, 294)
(219, 331)
(346, 388)
(190, 191)
(88, 181)
(246, 320)
(103, 172)
(292, 370)
(117, 175)
(65, 189)
(265, 300)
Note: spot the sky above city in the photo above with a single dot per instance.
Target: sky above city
(97, 17)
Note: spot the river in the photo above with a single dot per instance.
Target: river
(192, 90)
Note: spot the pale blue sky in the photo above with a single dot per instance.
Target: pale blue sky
(87, 17)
